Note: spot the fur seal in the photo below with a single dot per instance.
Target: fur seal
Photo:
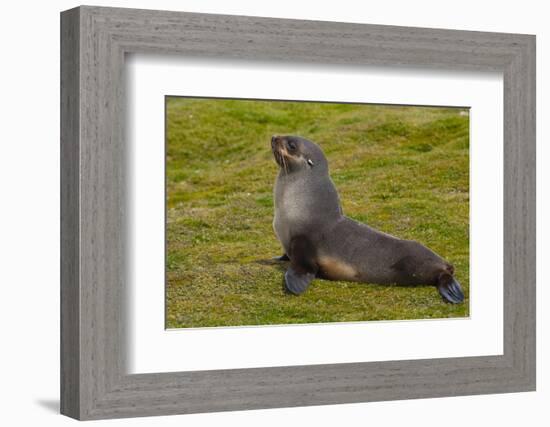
(319, 241)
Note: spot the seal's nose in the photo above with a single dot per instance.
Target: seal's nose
(274, 140)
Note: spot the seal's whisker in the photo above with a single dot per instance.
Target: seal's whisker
(283, 160)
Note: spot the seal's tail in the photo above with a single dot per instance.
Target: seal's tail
(450, 289)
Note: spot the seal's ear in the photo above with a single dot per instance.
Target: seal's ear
(310, 162)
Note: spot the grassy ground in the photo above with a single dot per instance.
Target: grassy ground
(403, 170)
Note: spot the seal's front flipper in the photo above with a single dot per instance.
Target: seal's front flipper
(283, 257)
(297, 283)
(450, 289)
(303, 267)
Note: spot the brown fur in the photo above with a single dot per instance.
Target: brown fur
(335, 269)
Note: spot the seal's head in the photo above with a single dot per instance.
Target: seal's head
(296, 154)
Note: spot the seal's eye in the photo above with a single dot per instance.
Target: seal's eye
(291, 145)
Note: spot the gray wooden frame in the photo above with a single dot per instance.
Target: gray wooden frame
(94, 382)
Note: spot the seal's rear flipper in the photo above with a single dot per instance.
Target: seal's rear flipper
(296, 283)
(283, 257)
(450, 289)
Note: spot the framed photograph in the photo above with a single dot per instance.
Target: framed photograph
(261, 213)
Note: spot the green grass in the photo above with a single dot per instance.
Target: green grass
(403, 170)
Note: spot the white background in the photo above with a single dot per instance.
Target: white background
(153, 349)
(29, 214)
